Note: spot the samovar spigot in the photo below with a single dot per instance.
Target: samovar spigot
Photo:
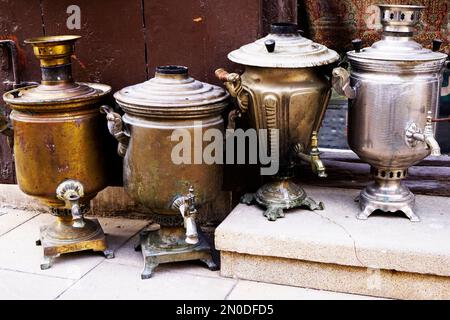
(414, 134)
(187, 207)
(313, 157)
(71, 191)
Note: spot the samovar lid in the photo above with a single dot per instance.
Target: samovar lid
(172, 90)
(283, 47)
(397, 44)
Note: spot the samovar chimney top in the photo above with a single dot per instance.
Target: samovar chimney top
(400, 20)
(172, 71)
(284, 28)
(54, 54)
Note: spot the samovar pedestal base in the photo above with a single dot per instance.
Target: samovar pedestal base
(387, 194)
(281, 195)
(61, 237)
(164, 245)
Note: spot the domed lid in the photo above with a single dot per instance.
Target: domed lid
(172, 90)
(283, 47)
(399, 23)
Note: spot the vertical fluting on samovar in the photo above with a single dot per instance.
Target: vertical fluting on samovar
(393, 90)
(285, 90)
(158, 113)
(59, 150)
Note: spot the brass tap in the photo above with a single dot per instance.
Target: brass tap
(187, 207)
(313, 157)
(70, 191)
(316, 163)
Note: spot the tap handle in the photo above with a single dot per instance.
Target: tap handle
(270, 45)
(357, 45)
(437, 43)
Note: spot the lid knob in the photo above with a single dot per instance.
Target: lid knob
(437, 43)
(357, 45)
(270, 45)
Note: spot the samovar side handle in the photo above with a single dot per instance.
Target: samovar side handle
(117, 129)
(341, 83)
(233, 84)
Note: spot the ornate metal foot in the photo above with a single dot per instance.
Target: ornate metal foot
(274, 213)
(364, 215)
(47, 262)
(248, 199)
(410, 214)
(312, 204)
(109, 254)
(210, 263)
(150, 264)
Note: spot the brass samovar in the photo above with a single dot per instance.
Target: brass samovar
(393, 90)
(58, 148)
(285, 89)
(158, 112)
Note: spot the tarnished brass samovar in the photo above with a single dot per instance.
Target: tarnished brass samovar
(172, 105)
(58, 148)
(285, 90)
(393, 90)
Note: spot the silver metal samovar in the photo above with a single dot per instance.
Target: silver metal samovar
(393, 92)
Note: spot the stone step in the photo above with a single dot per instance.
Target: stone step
(385, 256)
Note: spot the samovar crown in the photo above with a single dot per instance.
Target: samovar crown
(171, 70)
(400, 19)
(53, 50)
(284, 28)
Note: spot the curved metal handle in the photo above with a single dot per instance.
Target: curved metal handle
(117, 129)
(445, 91)
(341, 83)
(233, 83)
(70, 191)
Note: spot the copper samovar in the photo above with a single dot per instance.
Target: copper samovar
(158, 112)
(393, 90)
(58, 148)
(285, 89)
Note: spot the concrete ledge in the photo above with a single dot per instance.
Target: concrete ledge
(332, 250)
(111, 201)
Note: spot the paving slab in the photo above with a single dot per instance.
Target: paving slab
(20, 253)
(23, 286)
(10, 219)
(116, 281)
